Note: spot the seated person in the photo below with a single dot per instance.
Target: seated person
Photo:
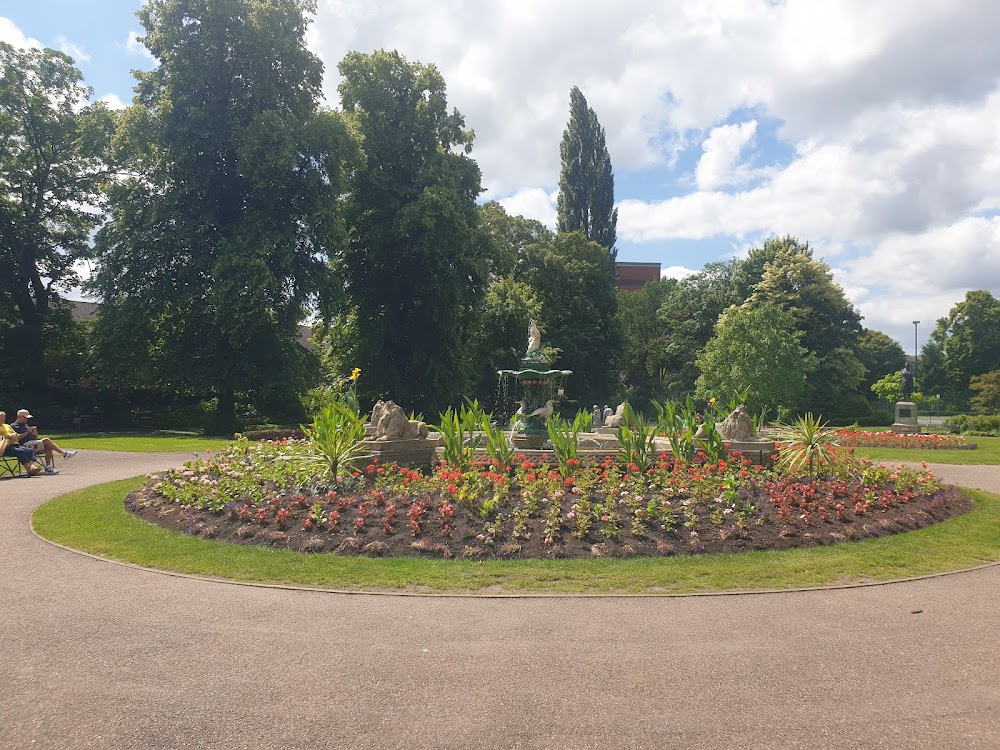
(28, 437)
(25, 455)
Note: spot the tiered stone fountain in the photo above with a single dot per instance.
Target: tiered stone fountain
(538, 385)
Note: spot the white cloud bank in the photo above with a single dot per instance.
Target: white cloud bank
(887, 120)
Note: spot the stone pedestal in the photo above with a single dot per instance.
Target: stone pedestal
(413, 453)
(906, 419)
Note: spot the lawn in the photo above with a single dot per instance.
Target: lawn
(95, 520)
(139, 442)
(987, 452)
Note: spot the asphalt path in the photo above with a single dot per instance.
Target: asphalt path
(96, 655)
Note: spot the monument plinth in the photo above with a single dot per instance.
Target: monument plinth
(906, 419)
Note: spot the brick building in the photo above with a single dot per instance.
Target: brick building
(633, 276)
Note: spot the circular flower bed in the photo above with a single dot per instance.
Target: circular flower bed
(261, 494)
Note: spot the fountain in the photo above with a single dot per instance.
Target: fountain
(540, 386)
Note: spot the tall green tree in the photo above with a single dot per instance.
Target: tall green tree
(416, 266)
(934, 378)
(645, 337)
(756, 349)
(880, 354)
(575, 284)
(969, 337)
(830, 325)
(217, 242)
(586, 201)
(52, 165)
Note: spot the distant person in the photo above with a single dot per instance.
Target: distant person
(597, 416)
(607, 413)
(11, 448)
(28, 437)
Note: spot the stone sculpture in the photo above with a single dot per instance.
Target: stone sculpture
(534, 338)
(390, 423)
(618, 418)
(736, 428)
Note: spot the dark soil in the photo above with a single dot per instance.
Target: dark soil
(362, 528)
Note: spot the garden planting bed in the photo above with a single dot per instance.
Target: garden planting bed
(258, 494)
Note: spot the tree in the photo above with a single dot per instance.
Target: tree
(218, 239)
(52, 148)
(586, 184)
(933, 377)
(880, 354)
(575, 284)
(645, 337)
(987, 388)
(969, 337)
(889, 388)
(829, 323)
(416, 266)
(757, 349)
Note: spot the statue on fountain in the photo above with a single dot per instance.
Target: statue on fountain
(534, 353)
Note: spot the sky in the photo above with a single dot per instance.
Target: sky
(869, 129)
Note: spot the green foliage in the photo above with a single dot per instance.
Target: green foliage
(711, 443)
(889, 388)
(499, 445)
(975, 424)
(460, 433)
(679, 422)
(637, 440)
(969, 337)
(806, 443)
(880, 354)
(586, 201)
(228, 207)
(565, 439)
(575, 283)
(416, 266)
(53, 149)
(755, 351)
(829, 323)
(645, 337)
(987, 388)
(335, 436)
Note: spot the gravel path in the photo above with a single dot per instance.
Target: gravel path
(94, 655)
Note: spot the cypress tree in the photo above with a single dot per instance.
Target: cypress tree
(586, 183)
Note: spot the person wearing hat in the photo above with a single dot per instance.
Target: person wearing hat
(10, 447)
(28, 437)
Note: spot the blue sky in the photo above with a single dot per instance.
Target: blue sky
(868, 128)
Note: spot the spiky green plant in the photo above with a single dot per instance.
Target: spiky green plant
(335, 436)
(808, 443)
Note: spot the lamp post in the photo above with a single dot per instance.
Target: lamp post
(915, 324)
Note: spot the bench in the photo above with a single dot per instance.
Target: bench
(10, 466)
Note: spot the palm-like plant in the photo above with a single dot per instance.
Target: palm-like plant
(806, 442)
(335, 436)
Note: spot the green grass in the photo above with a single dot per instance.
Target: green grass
(95, 520)
(139, 442)
(987, 452)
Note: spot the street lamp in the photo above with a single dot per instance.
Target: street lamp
(915, 324)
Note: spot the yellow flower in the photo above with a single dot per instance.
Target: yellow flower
(355, 374)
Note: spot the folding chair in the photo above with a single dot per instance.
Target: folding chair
(10, 466)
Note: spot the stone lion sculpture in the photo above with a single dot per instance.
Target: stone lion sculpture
(736, 428)
(618, 418)
(390, 423)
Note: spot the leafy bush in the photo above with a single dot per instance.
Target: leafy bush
(987, 425)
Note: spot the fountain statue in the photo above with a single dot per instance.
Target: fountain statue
(539, 387)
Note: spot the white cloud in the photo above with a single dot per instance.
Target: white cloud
(71, 49)
(136, 47)
(718, 165)
(11, 34)
(533, 203)
(677, 272)
(113, 101)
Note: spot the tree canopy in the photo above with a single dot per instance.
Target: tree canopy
(586, 184)
(969, 337)
(756, 349)
(217, 240)
(52, 166)
(416, 265)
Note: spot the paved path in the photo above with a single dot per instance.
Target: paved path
(94, 655)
